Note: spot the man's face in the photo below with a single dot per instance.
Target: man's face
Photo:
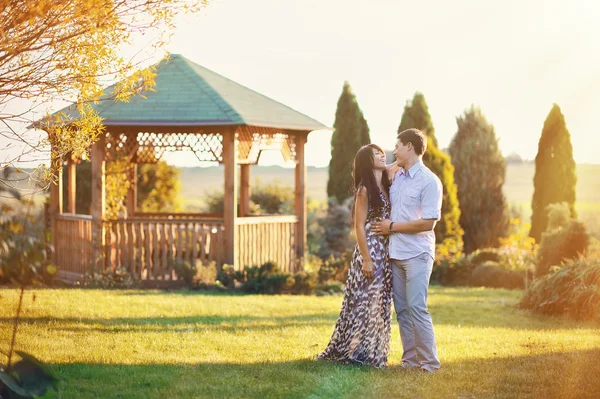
(401, 151)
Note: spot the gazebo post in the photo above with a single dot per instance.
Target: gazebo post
(230, 195)
(56, 195)
(71, 184)
(131, 199)
(245, 189)
(98, 202)
(300, 197)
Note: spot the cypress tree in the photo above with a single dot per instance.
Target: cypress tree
(351, 132)
(555, 177)
(416, 115)
(479, 174)
(365, 136)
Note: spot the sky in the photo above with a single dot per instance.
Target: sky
(513, 59)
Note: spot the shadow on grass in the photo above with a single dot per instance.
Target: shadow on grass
(554, 375)
(513, 319)
(179, 324)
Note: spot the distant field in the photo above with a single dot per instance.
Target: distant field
(518, 187)
(196, 182)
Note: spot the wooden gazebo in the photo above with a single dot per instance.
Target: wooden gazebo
(193, 109)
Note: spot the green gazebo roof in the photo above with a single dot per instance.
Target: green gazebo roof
(187, 94)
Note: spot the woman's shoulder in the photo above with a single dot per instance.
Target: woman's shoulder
(362, 192)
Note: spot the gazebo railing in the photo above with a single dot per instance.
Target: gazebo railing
(73, 243)
(262, 239)
(149, 247)
(179, 215)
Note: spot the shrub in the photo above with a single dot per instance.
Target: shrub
(272, 198)
(196, 275)
(561, 245)
(494, 275)
(329, 288)
(229, 277)
(573, 290)
(24, 252)
(485, 255)
(315, 211)
(266, 279)
(336, 269)
(304, 282)
(278, 283)
(509, 266)
(120, 278)
(337, 232)
(312, 262)
(453, 272)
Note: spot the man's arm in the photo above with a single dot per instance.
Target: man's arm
(412, 227)
(432, 205)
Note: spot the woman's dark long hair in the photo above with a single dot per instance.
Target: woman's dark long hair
(363, 175)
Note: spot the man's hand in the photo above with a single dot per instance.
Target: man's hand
(381, 228)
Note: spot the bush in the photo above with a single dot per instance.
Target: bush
(304, 282)
(24, 252)
(266, 279)
(329, 288)
(494, 275)
(337, 238)
(573, 290)
(509, 266)
(229, 277)
(452, 272)
(561, 245)
(120, 278)
(272, 198)
(269, 199)
(485, 255)
(316, 210)
(197, 275)
(336, 269)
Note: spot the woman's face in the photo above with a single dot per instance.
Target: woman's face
(378, 159)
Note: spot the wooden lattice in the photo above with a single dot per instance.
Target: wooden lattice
(250, 141)
(149, 147)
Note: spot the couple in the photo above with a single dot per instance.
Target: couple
(395, 208)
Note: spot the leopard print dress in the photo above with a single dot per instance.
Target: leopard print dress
(362, 331)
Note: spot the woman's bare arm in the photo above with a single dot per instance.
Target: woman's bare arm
(361, 208)
(392, 169)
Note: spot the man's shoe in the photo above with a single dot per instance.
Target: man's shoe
(406, 366)
(425, 371)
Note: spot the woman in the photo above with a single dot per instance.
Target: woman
(362, 332)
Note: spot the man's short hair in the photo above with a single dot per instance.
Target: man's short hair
(416, 138)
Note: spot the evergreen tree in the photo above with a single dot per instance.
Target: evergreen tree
(448, 230)
(351, 132)
(555, 177)
(416, 115)
(479, 174)
(365, 136)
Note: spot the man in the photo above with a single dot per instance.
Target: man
(416, 197)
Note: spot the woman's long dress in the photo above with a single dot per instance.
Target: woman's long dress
(362, 331)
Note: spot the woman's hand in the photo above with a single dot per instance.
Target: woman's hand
(368, 269)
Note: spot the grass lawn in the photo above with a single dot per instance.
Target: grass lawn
(141, 344)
